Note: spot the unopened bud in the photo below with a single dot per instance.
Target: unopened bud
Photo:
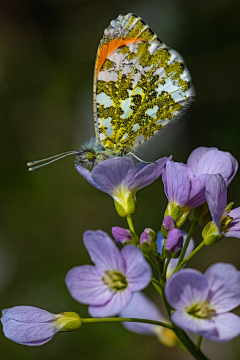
(124, 236)
(167, 225)
(148, 241)
(211, 234)
(179, 214)
(173, 244)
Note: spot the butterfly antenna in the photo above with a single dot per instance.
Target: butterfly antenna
(54, 158)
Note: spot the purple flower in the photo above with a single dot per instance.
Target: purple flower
(174, 243)
(227, 221)
(108, 286)
(205, 160)
(122, 236)
(120, 178)
(142, 307)
(28, 325)
(203, 302)
(185, 184)
(173, 262)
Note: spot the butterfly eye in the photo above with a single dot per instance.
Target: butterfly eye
(90, 155)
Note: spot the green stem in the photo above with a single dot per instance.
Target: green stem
(200, 246)
(117, 319)
(187, 342)
(130, 223)
(185, 246)
(165, 268)
(199, 340)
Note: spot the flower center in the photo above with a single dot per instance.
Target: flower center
(201, 310)
(115, 280)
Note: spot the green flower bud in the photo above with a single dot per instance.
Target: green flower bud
(211, 234)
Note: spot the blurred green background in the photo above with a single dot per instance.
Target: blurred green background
(47, 57)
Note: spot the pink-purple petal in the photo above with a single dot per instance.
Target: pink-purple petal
(109, 174)
(233, 229)
(197, 192)
(138, 271)
(86, 286)
(218, 162)
(103, 251)
(191, 323)
(227, 327)
(86, 174)
(27, 333)
(224, 284)
(185, 288)
(141, 307)
(113, 307)
(195, 157)
(148, 174)
(176, 183)
(28, 314)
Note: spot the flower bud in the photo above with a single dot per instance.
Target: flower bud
(173, 244)
(148, 241)
(167, 225)
(124, 236)
(211, 234)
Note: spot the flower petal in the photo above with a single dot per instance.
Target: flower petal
(216, 195)
(197, 194)
(103, 251)
(233, 229)
(119, 300)
(227, 327)
(86, 286)
(176, 182)
(138, 271)
(224, 284)
(148, 174)
(28, 333)
(141, 307)
(218, 162)
(86, 174)
(195, 157)
(28, 314)
(191, 323)
(185, 288)
(111, 173)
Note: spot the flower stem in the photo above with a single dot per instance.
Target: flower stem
(199, 340)
(200, 246)
(185, 246)
(118, 319)
(187, 342)
(130, 223)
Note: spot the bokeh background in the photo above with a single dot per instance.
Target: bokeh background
(47, 57)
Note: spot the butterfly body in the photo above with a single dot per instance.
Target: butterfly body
(140, 85)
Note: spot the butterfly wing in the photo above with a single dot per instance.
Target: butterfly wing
(139, 84)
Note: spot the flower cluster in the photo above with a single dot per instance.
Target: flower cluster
(195, 302)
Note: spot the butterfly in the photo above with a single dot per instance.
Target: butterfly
(140, 85)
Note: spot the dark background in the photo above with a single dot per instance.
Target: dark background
(47, 57)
